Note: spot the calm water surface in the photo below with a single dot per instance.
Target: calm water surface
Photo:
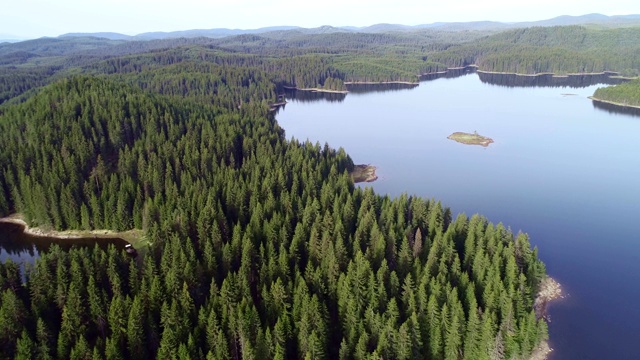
(23, 248)
(562, 170)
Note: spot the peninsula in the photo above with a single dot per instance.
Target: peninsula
(470, 139)
(624, 95)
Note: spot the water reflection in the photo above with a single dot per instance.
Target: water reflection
(503, 80)
(369, 88)
(449, 74)
(548, 80)
(615, 109)
(21, 247)
(312, 96)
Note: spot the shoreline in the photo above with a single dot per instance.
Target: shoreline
(463, 67)
(624, 77)
(550, 290)
(133, 236)
(275, 106)
(316, 90)
(614, 103)
(363, 173)
(380, 82)
(613, 73)
(541, 351)
(449, 68)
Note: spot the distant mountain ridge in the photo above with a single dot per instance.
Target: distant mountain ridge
(595, 19)
(106, 35)
(159, 35)
(9, 38)
(564, 20)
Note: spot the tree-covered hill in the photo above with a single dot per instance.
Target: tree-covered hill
(626, 94)
(329, 60)
(261, 247)
(560, 49)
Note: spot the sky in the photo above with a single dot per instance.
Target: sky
(25, 19)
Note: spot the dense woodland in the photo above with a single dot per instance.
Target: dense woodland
(297, 59)
(560, 50)
(624, 94)
(259, 246)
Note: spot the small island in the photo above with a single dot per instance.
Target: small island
(470, 139)
(364, 173)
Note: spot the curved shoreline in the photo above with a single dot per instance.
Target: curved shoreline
(316, 90)
(448, 69)
(612, 74)
(364, 173)
(380, 82)
(547, 73)
(550, 290)
(275, 106)
(614, 103)
(133, 236)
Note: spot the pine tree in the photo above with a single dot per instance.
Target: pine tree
(13, 316)
(136, 334)
(25, 347)
(43, 340)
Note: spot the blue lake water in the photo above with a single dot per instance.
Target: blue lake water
(561, 169)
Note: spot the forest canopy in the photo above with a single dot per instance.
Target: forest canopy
(329, 60)
(261, 246)
(625, 94)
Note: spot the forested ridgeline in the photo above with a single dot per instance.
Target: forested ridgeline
(327, 61)
(261, 247)
(323, 71)
(85, 151)
(625, 94)
(299, 60)
(201, 64)
(560, 50)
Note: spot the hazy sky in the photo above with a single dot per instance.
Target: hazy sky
(36, 18)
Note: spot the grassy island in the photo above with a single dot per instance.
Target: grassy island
(470, 139)
(364, 173)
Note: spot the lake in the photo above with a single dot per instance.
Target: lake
(562, 169)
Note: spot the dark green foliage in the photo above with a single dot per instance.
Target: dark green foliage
(560, 50)
(624, 94)
(261, 247)
(199, 67)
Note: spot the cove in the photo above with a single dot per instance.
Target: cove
(21, 247)
(561, 168)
